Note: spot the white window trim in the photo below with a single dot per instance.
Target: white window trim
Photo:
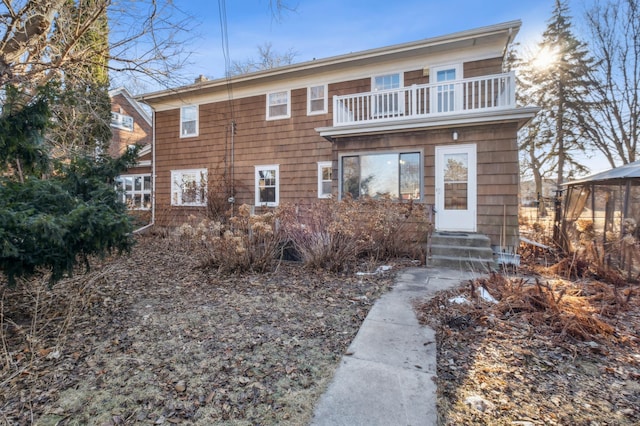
(402, 151)
(325, 90)
(400, 73)
(190, 135)
(119, 121)
(275, 167)
(176, 176)
(433, 79)
(322, 165)
(279, 117)
(142, 192)
(433, 71)
(400, 93)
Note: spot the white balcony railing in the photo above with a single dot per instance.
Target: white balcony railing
(419, 101)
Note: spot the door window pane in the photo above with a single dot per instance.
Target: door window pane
(456, 181)
(446, 92)
(385, 104)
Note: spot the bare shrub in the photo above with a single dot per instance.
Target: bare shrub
(326, 234)
(246, 243)
(333, 235)
(220, 189)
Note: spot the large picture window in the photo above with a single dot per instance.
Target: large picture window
(267, 185)
(189, 121)
(394, 175)
(189, 187)
(135, 190)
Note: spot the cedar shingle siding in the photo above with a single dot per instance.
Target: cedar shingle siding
(296, 146)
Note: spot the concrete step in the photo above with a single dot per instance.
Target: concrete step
(460, 239)
(463, 251)
(462, 264)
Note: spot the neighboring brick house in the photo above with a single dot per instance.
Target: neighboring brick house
(434, 121)
(132, 125)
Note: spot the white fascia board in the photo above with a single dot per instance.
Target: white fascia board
(488, 39)
(346, 73)
(458, 120)
(132, 101)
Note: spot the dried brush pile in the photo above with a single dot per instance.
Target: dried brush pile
(543, 352)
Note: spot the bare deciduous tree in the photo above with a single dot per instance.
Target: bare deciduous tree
(612, 120)
(41, 39)
(267, 59)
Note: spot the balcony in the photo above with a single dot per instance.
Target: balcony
(456, 97)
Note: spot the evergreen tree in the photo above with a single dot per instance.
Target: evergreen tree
(83, 111)
(555, 79)
(54, 220)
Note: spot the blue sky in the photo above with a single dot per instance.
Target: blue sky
(324, 28)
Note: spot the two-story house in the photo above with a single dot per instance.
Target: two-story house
(434, 121)
(131, 125)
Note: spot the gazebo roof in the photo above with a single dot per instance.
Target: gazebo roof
(615, 175)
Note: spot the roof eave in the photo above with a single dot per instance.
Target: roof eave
(510, 29)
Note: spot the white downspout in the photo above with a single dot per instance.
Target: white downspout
(153, 175)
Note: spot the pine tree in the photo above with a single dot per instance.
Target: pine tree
(54, 220)
(555, 79)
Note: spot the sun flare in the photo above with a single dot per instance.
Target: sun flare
(546, 57)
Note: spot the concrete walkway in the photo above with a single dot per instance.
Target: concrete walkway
(387, 376)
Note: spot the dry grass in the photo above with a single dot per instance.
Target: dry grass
(155, 338)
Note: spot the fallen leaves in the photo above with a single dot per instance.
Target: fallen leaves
(154, 338)
(549, 352)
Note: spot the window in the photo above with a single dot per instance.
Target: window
(189, 187)
(189, 121)
(390, 102)
(278, 105)
(394, 175)
(121, 121)
(324, 179)
(446, 97)
(317, 99)
(267, 185)
(135, 190)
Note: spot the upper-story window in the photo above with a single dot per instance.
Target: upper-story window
(189, 121)
(279, 105)
(388, 102)
(446, 96)
(121, 121)
(317, 99)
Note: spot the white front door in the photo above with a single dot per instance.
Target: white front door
(456, 191)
